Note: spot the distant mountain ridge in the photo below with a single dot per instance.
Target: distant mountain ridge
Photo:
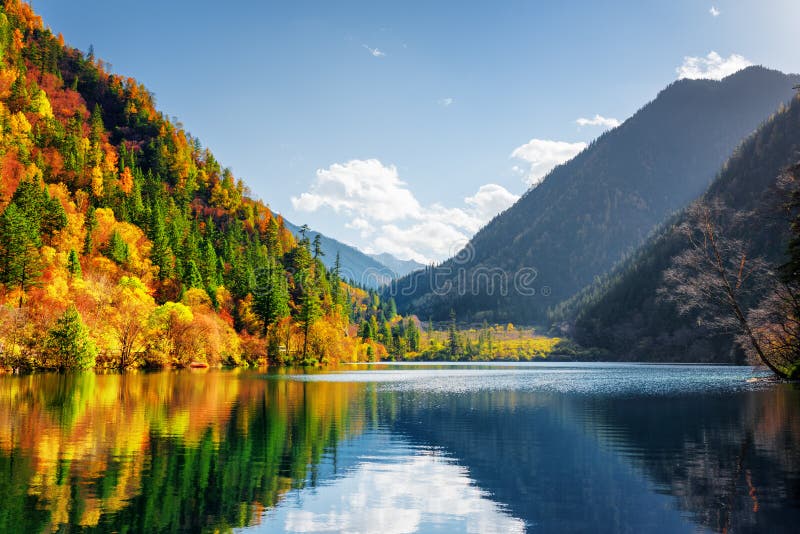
(363, 269)
(398, 266)
(593, 210)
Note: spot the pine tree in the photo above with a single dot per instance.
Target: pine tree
(452, 339)
(160, 254)
(68, 343)
(20, 264)
(74, 264)
(209, 264)
(30, 199)
(270, 296)
(54, 218)
(309, 301)
(193, 278)
(318, 247)
(412, 336)
(373, 328)
(364, 331)
(273, 240)
(117, 248)
(386, 335)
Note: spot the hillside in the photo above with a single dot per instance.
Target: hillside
(124, 242)
(624, 315)
(593, 210)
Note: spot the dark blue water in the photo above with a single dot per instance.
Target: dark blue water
(402, 448)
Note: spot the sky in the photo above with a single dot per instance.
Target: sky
(404, 127)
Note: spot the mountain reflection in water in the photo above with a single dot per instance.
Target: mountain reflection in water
(503, 448)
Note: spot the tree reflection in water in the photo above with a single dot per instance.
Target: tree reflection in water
(215, 451)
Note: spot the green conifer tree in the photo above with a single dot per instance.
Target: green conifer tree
(20, 263)
(74, 264)
(68, 343)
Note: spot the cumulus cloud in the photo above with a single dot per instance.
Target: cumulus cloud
(714, 11)
(364, 188)
(713, 66)
(374, 51)
(598, 120)
(362, 225)
(542, 155)
(384, 211)
(490, 200)
(446, 102)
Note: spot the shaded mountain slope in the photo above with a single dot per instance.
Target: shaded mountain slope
(624, 315)
(593, 210)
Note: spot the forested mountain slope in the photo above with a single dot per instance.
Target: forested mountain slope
(593, 210)
(624, 313)
(123, 241)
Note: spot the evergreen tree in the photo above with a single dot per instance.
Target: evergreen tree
(270, 295)
(160, 254)
(74, 264)
(209, 271)
(452, 337)
(386, 335)
(20, 264)
(373, 328)
(54, 218)
(318, 247)
(68, 343)
(117, 248)
(310, 309)
(192, 278)
(30, 199)
(364, 331)
(273, 240)
(412, 336)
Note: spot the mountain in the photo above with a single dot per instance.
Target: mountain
(366, 270)
(362, 269)
(592, 211)
(623, 314)
(397, 266)
(125, 243)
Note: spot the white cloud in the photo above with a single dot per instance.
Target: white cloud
(424, 241)
(543, 155)
(713, 66)
(490, 200)
(400, 491)
(714, 11)
(365, 189)
(598, 120)
(362, 225)
(374, 51)
(383, 209)
(446, 102)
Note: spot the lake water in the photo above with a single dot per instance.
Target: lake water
(403, 448)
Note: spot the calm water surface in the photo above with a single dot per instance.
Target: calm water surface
(402, 448)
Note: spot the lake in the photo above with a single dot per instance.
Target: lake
(396, 448)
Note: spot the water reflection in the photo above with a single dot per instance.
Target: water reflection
(161, 452)
(393, 488)
(471, 449)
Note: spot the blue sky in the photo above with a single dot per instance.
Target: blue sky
(404, 126)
